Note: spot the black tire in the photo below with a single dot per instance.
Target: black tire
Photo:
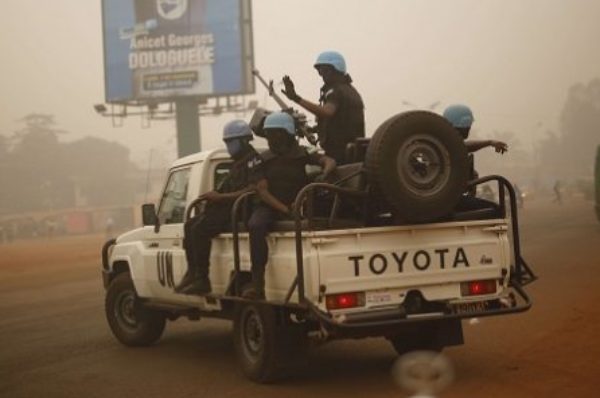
(268, 347)
(421, 340)
(131, 324)
(418, 163)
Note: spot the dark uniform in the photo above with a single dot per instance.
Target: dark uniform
(346, 125)
(216, 218)
(286, 176)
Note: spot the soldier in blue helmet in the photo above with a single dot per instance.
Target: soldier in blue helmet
(278, 179)
(216, 217)
(340, 111)
(461, 117)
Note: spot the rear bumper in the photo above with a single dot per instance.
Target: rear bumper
(387, 321)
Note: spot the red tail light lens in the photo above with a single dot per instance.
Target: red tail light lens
(345, 300)
(477, 288)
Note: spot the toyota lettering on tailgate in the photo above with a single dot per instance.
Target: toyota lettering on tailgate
(421, 260)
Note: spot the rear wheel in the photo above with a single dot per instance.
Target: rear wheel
(424, 337)
(415, 342)
(267, 345)
(132, 324)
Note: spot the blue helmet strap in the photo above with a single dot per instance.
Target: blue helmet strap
(464, 132)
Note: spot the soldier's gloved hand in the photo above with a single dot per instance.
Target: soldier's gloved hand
(321, 178)
(500, 146)
(290, 90)
(211, 196)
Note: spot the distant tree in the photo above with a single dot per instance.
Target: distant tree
(580, 127)
(101, 171)
(550, 154)
(39, 172)
(35, 170)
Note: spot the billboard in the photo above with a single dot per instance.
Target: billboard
(164, 49)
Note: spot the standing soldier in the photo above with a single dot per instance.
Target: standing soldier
(340, 112)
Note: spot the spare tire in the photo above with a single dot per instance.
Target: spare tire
(418, 163)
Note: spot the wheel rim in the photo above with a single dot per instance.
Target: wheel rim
(423, 165)
(125, 311)
(253, 337)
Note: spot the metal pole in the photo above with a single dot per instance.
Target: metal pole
(188, 126)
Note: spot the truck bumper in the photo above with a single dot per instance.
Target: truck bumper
(390, 321)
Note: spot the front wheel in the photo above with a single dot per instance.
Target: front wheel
(131, 324)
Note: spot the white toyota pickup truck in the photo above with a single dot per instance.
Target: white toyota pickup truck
(381, 252)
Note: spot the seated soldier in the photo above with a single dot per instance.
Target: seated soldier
(461, 117)
(216, 218)
(279, 178)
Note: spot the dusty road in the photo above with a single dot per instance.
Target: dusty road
(54, 340)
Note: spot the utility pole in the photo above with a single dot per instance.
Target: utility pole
(187, 120)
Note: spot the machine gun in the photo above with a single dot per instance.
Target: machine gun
(302, 127)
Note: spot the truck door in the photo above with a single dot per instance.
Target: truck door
(164, 257)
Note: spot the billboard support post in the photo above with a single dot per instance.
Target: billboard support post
(188, 126)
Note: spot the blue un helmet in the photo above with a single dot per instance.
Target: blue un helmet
(236, 135)
(280, 120)
(461, 117)
(236, 129)
(332, 58)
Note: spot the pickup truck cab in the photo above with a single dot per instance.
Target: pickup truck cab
(342, 268)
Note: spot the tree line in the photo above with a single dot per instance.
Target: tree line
(39, 172)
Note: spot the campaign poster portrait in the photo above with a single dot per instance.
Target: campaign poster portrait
(165, 49)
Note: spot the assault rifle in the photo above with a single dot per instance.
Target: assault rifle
(302, 128)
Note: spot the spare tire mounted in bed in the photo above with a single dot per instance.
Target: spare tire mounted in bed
(418, 163)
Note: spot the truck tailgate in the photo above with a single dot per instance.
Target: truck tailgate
(406, 257)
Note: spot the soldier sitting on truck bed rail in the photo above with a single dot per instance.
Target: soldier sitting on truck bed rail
(216, 218)
(340, 112)
(279, 178)
(461, 117)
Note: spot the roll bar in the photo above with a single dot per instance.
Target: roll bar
(522, 274)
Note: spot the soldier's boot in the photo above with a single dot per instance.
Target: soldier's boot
(200, 286)
(256, 291)
(188, 279)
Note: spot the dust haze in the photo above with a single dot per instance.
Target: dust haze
(529, 70)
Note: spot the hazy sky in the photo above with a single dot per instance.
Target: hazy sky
(512, 61)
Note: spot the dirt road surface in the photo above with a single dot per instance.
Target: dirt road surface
(55, 342)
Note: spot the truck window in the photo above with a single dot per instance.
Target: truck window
(172, 204)
(221, 172)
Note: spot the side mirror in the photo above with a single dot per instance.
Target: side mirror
(149, 214)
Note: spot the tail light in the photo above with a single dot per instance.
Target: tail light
(345, 300)
(477, 288)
